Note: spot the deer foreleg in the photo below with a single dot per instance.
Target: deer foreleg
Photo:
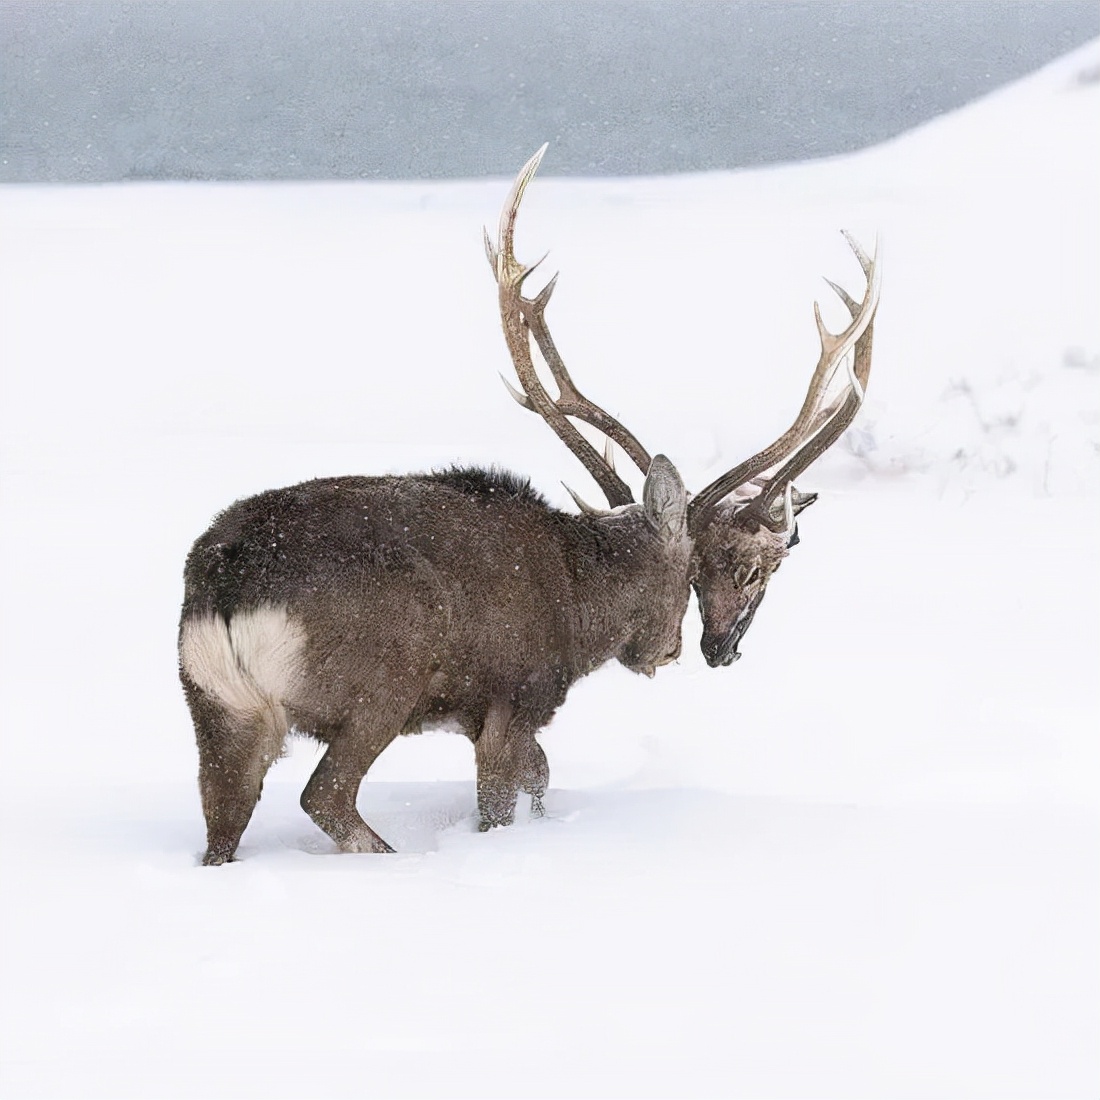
(499, 765)
(534, 774)
(509, 760)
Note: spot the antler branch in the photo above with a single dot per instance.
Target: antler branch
(817, 425)
(523, 318)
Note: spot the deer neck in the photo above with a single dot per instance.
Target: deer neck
(619, 567)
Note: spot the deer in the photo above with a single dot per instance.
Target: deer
(354, 609)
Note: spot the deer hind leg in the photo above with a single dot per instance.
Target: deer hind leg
(235, 674)
(509, 760)
(329, 796)
(235, 751)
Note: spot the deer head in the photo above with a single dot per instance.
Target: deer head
(743, 524)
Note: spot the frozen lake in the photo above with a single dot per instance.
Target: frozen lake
(421, 89)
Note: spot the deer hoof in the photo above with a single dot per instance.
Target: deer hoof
(367, 843)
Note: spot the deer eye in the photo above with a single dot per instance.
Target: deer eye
(753, 575)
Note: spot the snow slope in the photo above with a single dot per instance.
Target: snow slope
(860, 863)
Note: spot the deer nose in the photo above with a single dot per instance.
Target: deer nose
(720, 649)
(711, 647)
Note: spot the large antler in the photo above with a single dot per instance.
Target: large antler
(818, 426)
(525, 317)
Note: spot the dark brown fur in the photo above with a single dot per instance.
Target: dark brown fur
(460, 598)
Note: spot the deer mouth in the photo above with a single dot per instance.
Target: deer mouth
(723, 651)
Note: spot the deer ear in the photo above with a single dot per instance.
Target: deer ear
(665, 499)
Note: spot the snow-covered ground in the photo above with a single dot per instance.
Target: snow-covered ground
(862, 862)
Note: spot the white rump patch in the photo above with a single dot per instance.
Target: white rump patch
(249, 664)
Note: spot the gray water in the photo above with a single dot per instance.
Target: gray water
(395, 89)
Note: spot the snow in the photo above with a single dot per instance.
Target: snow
(862, 862)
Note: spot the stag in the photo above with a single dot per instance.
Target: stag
(355, 609)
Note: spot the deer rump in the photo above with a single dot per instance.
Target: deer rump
(355, 609)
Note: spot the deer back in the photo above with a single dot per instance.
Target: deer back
(467, 582)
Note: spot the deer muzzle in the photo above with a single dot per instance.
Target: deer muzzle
(720, 647)
(720, 650)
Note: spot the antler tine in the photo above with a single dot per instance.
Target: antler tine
(865, 261)
(523, 318)
(817, 426)
(520, 399)
(845, 297)
(582, 504)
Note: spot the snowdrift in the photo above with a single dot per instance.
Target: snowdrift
(861, 862)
